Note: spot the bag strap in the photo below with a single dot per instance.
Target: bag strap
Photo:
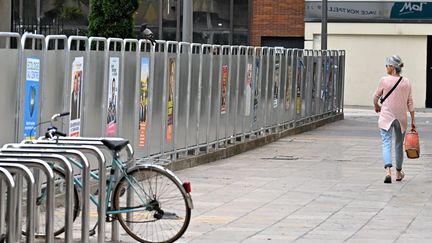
(394, 87)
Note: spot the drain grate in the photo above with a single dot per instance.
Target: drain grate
(282, 157)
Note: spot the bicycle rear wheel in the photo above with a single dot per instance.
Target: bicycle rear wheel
(160, 210)
(60, 202)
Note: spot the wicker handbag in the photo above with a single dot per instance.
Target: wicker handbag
(412, 144)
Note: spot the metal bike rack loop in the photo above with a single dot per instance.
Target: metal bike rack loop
(65, 148)
(6, 176)
(67, 151)
(68, 177)
(21, 170)
(41, 165)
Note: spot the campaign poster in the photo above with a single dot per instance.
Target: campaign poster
(276, 84)
(224, 90)
(31, 101)
(255, 89)
(75, 97)
(143, 100)
(170, 91)
(248, 95)
(288, 88)
(112, 101)
(298, 91)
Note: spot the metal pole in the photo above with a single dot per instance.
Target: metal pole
(324, 25)
(187, 21)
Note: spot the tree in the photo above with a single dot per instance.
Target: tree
(112, 18)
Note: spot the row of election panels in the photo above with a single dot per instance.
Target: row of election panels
(166, 98)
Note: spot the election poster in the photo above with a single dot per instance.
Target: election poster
(248, 94)
(31, 100)
(224, 89)
(112, 100)
(170, 103)
(75, 96)
(143, 100)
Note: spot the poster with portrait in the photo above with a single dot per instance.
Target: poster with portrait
(248, 88)
(31, 100)
(276, 84)
(255, 89)
(288, 88)
(170, 95)
(298, 90)
(112, 100)
(224, 89)
(75, 96)
(143, 100)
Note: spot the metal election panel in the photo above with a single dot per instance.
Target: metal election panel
(215, 97)
(170, 93)
(291, 106)
(222, 97)
(341, 80)
(278, 75)
(262, 102)
(30, 79)
(156, 121)
(143, 86)
(256, 89)
(128, 89)
(266, 82)
(248, 91)
(299, 67)
(232, 102)
(269, 88)
(53, 84)
(195, 90)
(281, 119)
(205, 98)
(326, 81)
(182, 98)
(335, 57)
(303, 66)
(112, 100)
(76, 74)
(241, 101)
(93, 86)
(10, 66)
(308, 82)
(316, 81)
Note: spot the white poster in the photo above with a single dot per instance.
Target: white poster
(112, 101)
(75, 97)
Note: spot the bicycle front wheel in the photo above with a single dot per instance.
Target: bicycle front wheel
(157, 209)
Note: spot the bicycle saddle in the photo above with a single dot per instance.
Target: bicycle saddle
(115, 145)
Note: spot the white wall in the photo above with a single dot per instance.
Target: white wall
(367, 45)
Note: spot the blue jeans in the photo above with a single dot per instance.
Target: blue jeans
(386, 140)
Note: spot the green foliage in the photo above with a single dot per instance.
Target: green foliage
(112, 18)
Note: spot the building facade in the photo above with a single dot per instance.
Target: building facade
(233, 22)
(370, 31)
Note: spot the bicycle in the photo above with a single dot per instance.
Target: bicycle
(149, 201)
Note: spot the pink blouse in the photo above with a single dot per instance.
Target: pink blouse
(397, 103)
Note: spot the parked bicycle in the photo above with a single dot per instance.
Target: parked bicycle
(151, 203)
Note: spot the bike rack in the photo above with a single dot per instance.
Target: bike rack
(35, 162)
(6, 176)
(83, 141)
(22, 171)
(69, 180)
(85, 176)
(68, 149)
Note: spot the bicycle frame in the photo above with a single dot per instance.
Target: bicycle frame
(117, 165)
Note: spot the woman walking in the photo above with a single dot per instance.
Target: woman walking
(393, 114)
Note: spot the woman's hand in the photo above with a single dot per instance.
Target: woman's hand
(377, 108)
(413, 124)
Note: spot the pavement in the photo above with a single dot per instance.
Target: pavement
(325, 185)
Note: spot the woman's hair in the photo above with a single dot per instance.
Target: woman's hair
(396, 62)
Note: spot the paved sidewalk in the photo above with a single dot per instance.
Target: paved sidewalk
(325, 185)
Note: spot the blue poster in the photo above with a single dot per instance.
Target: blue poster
(31, 102)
